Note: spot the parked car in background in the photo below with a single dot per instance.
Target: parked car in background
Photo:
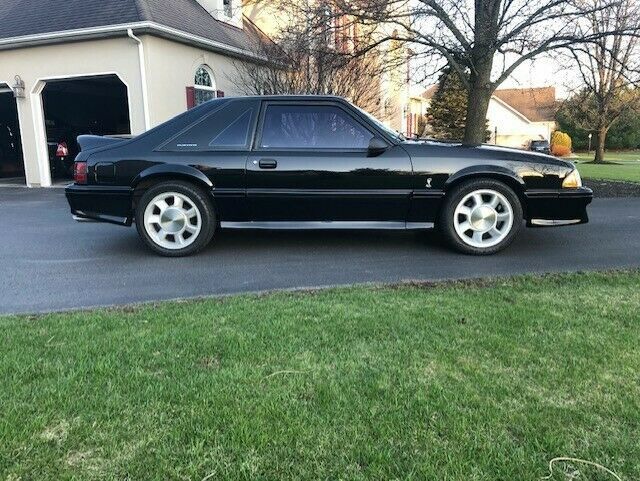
(314, 162)
(63, 146)
(541, 146)
(60, 159)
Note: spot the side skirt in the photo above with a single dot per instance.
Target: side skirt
(318, 225)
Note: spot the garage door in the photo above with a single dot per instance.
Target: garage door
(78, 106)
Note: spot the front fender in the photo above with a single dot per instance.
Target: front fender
(176, 171)
(493, 171)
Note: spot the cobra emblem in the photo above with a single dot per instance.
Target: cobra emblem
(429, 183)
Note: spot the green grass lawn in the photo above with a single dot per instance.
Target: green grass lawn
(480, 381)
(627, 167)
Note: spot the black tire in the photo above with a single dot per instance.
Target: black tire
(447, 219)
(197, 198)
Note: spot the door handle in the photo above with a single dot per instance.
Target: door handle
(268, 164)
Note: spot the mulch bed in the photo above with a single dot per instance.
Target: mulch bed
(612, 188)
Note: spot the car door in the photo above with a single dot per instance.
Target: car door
(218, 145)
(311, 163)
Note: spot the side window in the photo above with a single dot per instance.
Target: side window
(312, 127)
(236, 134)
(227, 127)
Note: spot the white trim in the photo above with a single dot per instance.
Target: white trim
(69, 35)
(143, 79)
(510, 108)
(40, 130)
(37, 111)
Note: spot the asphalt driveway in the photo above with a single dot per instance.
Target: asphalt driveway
(49, 262)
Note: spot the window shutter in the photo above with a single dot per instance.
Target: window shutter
(191, 97)
(219, 94)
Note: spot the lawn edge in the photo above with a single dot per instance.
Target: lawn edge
(466, 282)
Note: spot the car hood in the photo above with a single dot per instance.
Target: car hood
(484, 151)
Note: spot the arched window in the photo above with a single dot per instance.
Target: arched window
(205, 87)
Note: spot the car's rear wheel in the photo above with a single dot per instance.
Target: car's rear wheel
(175, 219)
(481, 217)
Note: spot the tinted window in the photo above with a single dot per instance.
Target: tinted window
(312, 127)
(236, 134)
(226, 127)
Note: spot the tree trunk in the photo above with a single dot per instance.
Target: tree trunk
(475, 131)
(602, 137)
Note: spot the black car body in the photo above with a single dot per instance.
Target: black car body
(306, 162)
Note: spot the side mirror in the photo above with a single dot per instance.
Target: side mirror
(377, 146)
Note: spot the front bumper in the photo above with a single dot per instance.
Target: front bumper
(113, 205)
(547, 208)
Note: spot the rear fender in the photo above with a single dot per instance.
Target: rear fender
(173, 171)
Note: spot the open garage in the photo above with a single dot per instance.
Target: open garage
(11, 161)
(77, 106)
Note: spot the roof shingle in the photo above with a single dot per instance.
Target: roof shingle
(538, 104)
(21, 18)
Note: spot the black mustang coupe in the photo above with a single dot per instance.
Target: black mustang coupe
(314, 162)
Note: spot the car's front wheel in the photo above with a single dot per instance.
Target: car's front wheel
(481, 217)
(175, 219)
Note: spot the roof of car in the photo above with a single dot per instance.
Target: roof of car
(19, 18)
(308, 97)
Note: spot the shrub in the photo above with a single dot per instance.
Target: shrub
(560, 144)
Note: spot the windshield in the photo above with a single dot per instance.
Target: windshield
(393, 133)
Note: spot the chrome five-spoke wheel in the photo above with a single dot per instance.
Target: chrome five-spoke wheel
(480, 216)
(483, 218)
(172, 220)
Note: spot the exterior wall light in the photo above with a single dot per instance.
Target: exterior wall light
(18, 88)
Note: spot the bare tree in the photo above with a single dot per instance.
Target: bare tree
(311, 54)
(484, 41)
(609, 67)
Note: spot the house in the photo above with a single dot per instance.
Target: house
(517, 116)
(110, 67)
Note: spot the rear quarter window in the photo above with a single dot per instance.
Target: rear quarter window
(226, 128)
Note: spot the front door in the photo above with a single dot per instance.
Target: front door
(311, 164)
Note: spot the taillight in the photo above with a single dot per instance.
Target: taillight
(80, 171)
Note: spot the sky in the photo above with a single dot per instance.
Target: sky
(551, 69)
(544, 72)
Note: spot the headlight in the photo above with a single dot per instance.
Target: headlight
(572, 181)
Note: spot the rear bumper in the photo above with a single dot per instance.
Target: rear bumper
(546, 208)
(101, 204)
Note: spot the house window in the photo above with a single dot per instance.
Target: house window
(205, 88)
(228, 7)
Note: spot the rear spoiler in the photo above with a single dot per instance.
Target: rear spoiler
(93, 142)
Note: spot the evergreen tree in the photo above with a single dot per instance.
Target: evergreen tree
(447, 112)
